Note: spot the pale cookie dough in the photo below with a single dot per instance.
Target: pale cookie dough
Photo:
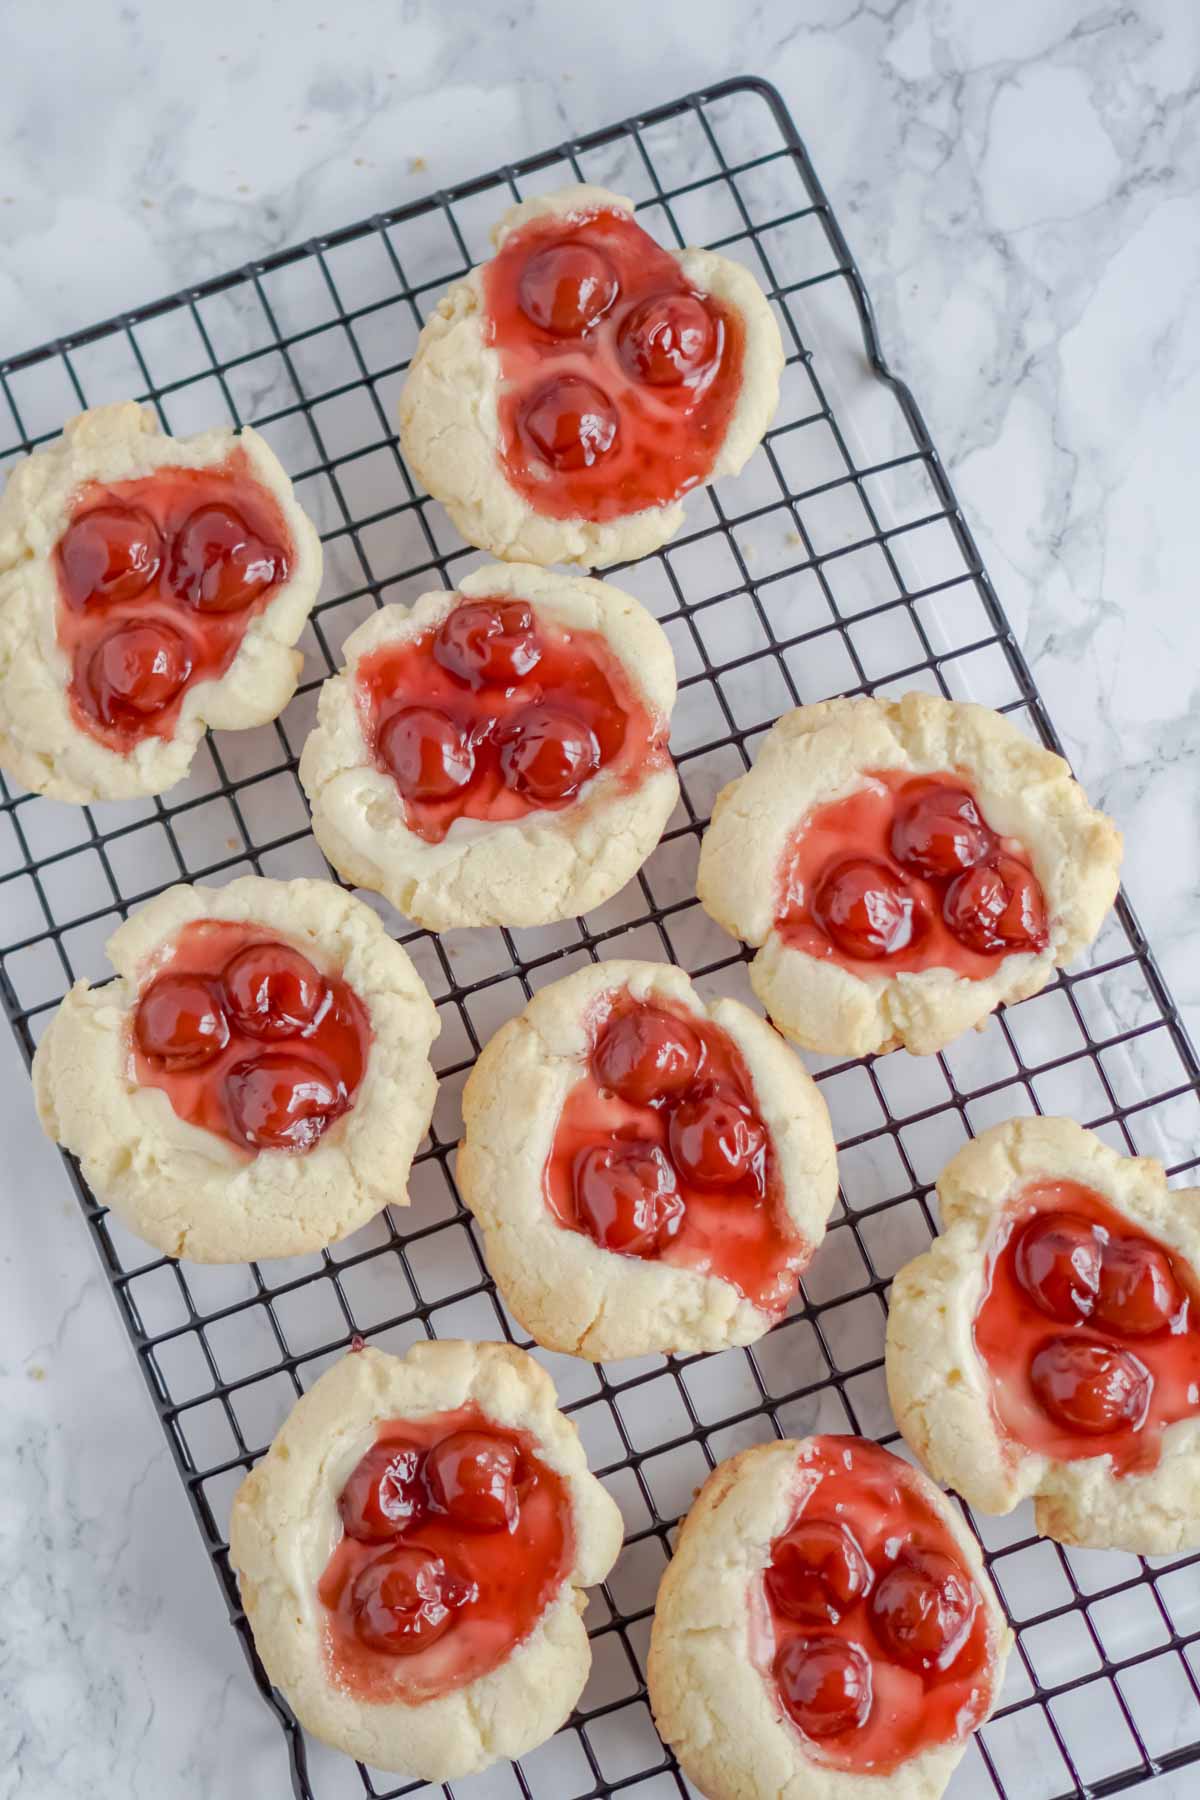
(188, 1191)
(449, 428)
(939, 1387)
(570, 1293)
(818, 754)
(285, 1526)
(548, 865)
(711, 1703)
(40, 742)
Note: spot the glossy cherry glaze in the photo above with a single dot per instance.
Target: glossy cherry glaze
(660, 1153)
(456, 1537)
(618, 378)
(496, 713)
(248, 1039)
(867, 1624)
(905, 875)
(158, 579)
(1088, 1330)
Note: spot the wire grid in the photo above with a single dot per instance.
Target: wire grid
(837, 563)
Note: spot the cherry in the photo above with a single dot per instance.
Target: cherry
(427, 752)
(817, 1572)
(937, 830)
(567, 288)
(134, 671)
(1090, 1387)
(384, 1494)
(219, 565)
(281, 1102)
(626, 1197)
(997, 906)
(109, 553)
(646, 1054)
(180, 1023)
(825, 1683)
(715, 1137)
(472, 1476)
(570, 422)
(273, 991)
(1139, 1293)
(922, 1609)
(866, 908)
(668, 339)
(547, 753)
(488, 642)
(1057, 1262)
(406, 1599)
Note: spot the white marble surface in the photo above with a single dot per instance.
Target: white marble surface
(1020, 184)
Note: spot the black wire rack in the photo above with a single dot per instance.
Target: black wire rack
(838, 562)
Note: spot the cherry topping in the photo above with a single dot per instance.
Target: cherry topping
(110, 553)
(427, 751)
(472, 1476)
(997, 906)
(488, 642)
(219, 565)
(626, 1197)
(279, 1101)
(406, 1599)
(1139, 1294)
(567, 288)
(273, 991)
(384, 1494)
(136, 670)
(668, 339)
(1057, 1262)
(179, 1022)
(923, 1608)
(547, 753)
(825, 1683)
(645, 1054)
(818, 1572)
(715, 1137)
(937, 830)
(866, 908)
(1090, 1387)
(570, 422)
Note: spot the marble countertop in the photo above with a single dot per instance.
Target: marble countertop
(1020, 185)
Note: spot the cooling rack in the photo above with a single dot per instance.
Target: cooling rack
(837, 563)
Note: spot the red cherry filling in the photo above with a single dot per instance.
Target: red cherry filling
(180, 1022)
(668, 339)
(547, 753)
(219, 565)
(626, 1197)
(818, 1572)
(406, 1599)
(715, 1137)
(272, 990)
(1138, 1292)
(826, 1684)
(1057, 1261)
(282, 1102)
(997, 906)
(1090, 1387)
(427, 752)
(488, 642)
(109, 553)
(135, 670)
(472, 1476)
(385, 1493)
(866, 908)
(567, 288)
(569, 422)
(646, 1053)
(937, 830)
(923, 1608)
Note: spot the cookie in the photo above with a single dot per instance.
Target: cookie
(1047, 1345)
(902, 867)
(255, 1081)
(497, 754)
(412, 1554)
(150, 587)
(651, 1173)
(825, 1628)
(565, 396)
